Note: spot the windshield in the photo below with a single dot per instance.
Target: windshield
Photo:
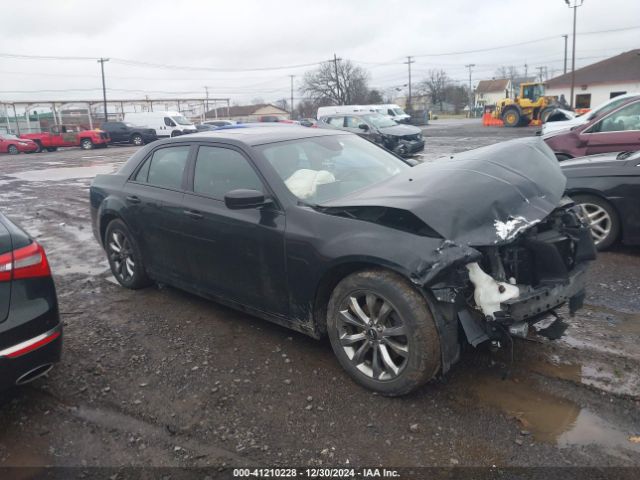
(180, 120)
(8, 136)
(321, 169)
(379, 121)
(398, 111)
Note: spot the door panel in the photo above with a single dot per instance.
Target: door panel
(236, 254)
(154, 211)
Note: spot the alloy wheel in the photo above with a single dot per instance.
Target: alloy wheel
(598, 220)
(121, 256)
(373, 335)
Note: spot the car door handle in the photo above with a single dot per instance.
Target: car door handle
(133, 199)
(193, 214)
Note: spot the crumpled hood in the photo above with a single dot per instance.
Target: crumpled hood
(400, 130)
(480, 197)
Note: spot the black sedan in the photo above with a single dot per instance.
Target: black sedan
(329, 234)
(607, 187)
(125, 132)
(30, 328)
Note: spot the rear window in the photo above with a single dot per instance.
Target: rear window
(165, 167)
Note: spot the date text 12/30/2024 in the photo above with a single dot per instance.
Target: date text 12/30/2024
(315, 473)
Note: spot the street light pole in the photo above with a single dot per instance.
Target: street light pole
(104, 89)
(291, 106)
(409, 62)
(470, 66)
(573, 4)
(566, 37)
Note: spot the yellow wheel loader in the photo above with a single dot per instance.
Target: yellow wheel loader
(530, 106)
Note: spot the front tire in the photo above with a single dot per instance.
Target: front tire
(39, 145)
(511, 118)
(382, 332)
(13, 150)
(52, 149)
(86, 144)
(602, 219)
(124, 256)
(137, 140)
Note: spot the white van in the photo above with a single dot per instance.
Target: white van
(166, 124)
(341, 110)
(392, 110)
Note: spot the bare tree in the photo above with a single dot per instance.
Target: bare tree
(457, 95)
(348, 87)
(435, 86)
(512, 73)
(283, 103)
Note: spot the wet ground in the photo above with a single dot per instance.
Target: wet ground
(159, 377)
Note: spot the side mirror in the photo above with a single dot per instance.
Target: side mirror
(363, 126)
(243, 198)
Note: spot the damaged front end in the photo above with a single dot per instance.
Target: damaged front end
(518, 284)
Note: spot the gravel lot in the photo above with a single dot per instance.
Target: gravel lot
(160, 377)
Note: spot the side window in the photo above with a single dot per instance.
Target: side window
(168, 122)
(390, 112)
(220, 170)
(336, 122)
(352, 122)
(165, 168)
(627, 118)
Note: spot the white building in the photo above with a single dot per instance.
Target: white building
(488, 92)
(598, 82)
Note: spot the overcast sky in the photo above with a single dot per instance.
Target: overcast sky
(230, 36)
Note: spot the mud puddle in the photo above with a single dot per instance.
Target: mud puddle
(550, 418)
(602, 376)
(622, 322)
(57, 174)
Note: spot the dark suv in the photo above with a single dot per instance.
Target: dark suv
(404, 140)
(125, 132)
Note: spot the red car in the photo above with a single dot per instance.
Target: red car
(615, 131)
(13, 145)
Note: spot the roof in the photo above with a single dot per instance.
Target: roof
(258, 134)
(241, 110)
(489, 86)
(622, 68)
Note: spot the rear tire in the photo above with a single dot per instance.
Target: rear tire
(124, 256)
(52, 149)
(13, 150)
(511, 118)
(382, 332)
(86, 144)
(602, 219)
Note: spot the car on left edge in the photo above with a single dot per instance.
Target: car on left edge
(13, 145)
(30, 327)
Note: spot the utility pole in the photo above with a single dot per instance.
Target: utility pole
(566, 37)
(206, 91)
(526, 71)
(573, 4)
(409, 62)
(470, 66)
(291, 106)
(335, 66)
(104, 89)
(540, 70)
